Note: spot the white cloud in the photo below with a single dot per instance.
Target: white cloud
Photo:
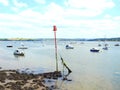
(4, 2)
(79, 13)
(107, 16)
(30, 23)
(41, 1)
(117, 18)
(34, 24)
(15, 9)
(23, 26)
(30, 13)
(89, 7)
(19, 4)
(54, 12)
(91, 4)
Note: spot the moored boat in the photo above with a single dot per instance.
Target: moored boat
(19, 53)
(105, 48)
(9, 46)
(94, 50)
(117, 44)
(22, 47)
(69, 47)
(99, 45)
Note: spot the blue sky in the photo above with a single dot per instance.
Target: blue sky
(73, 18)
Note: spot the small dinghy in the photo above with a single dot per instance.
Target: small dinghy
(94, 50)
(19, 53)
(69, 47)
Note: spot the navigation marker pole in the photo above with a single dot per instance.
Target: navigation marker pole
(55, 29)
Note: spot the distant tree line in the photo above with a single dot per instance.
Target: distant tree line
(63, 39)
(105, 39)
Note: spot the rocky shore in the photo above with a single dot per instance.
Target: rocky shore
(14, 80)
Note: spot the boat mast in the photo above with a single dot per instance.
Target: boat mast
(55, 29)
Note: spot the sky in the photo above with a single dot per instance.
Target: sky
(73, 18)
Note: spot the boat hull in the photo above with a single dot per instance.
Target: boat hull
(94, 50)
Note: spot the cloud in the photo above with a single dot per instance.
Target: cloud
(4, 2)
(89, 7)
(117, 18)
(19, 4)
(30, 14)
(72, 21)
(40, 1)
(91, 4)
(23, 26)
(84, 13)
(54, 12)
(108, 16)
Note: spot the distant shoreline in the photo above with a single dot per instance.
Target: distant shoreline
(60, 39)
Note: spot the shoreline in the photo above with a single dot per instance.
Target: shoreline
(15, 80)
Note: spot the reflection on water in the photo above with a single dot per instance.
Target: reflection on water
(18, 56)
(90, 71)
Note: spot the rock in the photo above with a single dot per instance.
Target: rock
(28, 88)
(3, 76)
(25, 81)
(2, 87)
(13, 86)
(35, 86)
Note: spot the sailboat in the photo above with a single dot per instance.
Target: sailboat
(105, 45)
(22, 46)
(105, 48)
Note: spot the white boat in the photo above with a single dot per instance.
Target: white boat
(17, 52)
(69, 47)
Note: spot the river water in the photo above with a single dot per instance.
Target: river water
(90, 71)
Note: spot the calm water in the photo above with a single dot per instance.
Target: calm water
(91, 71)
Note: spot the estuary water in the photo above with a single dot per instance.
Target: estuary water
(90, 71)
